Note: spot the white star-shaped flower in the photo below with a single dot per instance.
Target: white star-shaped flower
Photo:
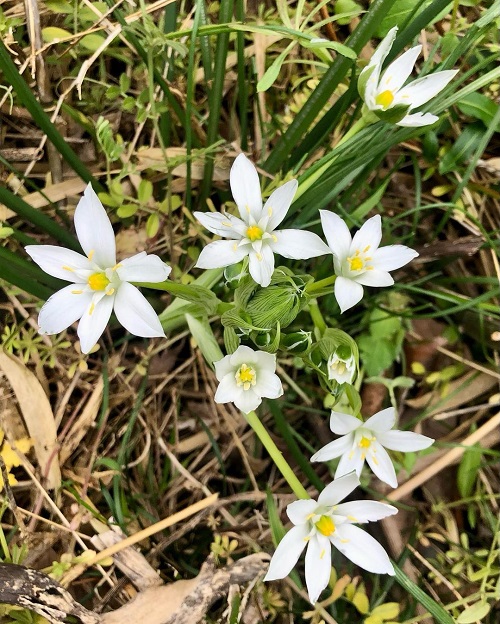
(359, 261)
(341, 366)
(255, 234)
(99, 285)
(245, 377)
(324, 523)
(368, 440)
(386, 92)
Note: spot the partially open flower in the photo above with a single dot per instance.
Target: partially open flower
(245, 377)
(368, 440)
(359, 261)
(99, 285)
(324, 523)
(386, 95)
(342, 365)
(255, 234)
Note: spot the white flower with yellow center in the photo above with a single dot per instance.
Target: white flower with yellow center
(324, 523)
(255, 234)
(245, 377)
(386, 94)
(99, 285)
(358, 261)
(368, 440)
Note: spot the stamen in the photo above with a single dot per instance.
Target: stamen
(91, 254)
(245, 376)
(111, 291)
(67, 268)
(98, 281)
(385, 99)
(364, 442)
(92, 308)
(254, 232)
(325, 526)
(76, 292)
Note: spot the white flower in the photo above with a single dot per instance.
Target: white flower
(255, 234)
(323, 524)
(98, 284)
(245, 377)
(341, 366)
(366, 440)
(359, 261)
(386, 93)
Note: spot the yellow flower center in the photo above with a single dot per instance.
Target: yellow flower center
(385, 99)
(254, 233)
(325, 526)
(246, 376)
(355, 264)
(364, 442)
(98, 281)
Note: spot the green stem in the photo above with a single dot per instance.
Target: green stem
(282, 465)
(315, 287)
(317, 317)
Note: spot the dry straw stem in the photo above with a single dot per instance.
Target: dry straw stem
(444, 461)
(154, 528)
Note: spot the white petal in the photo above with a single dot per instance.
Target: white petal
(347, 292)
(299, 510)
(220, 254)
(94, 321)
(374, 278)
(337, 490)
(381, 421)
(62, 309)
(417, 120)
(298, 244)
(245, 187)
(94, 230)
(362, 549)
(265, 361)
(60, 262)
(222, 224)
(318, 566)
(333, 449)
(341, 423)
(268, 386)
(381, 464)
(246, 355)
(398, 72)
(223, 367)
(261, 266)
(279, 203)
(143, 268)
(135, 313)
(392, 257)
(365, 511)
(351, 461)
(384, 47)
(247, 401)
(227, 389)
(375, 66)
(369, 236)
(287, 553)
(405, 441)
(336, 233)
(424, 89)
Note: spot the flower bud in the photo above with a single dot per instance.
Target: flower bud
(297, 342)
(274, 304)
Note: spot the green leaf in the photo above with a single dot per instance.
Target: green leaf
(272, 72)
(398, 13)
(440, 615)
(144, 191)
(152, 225)
(205, 339)
(377, 354)
(480, 107)
(475, 613)
(91, 42)
(468, 470)
(326, 44)
(463, 148)
(53, 33)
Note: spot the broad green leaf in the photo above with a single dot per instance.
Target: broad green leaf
(92, 42)
(480, 107)
(398, 13)
(144, 191)
(51, 34)
(473, 614)
(272, 72)
(205, 339)
(468, 470)
(152, 225)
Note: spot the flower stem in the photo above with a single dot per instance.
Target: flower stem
(276, 455)
(322, 284)
(317, 317)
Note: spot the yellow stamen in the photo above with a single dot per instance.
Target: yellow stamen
(325, 526)
(246, 376)
(269, 212)
(385, 99)
(92, 308)
(76, 292)
(67, 268)
(364, 442)
(254, 232)
(91, 254)
(355, 264)
(366, 248)
(98, 281)
(111, 291)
